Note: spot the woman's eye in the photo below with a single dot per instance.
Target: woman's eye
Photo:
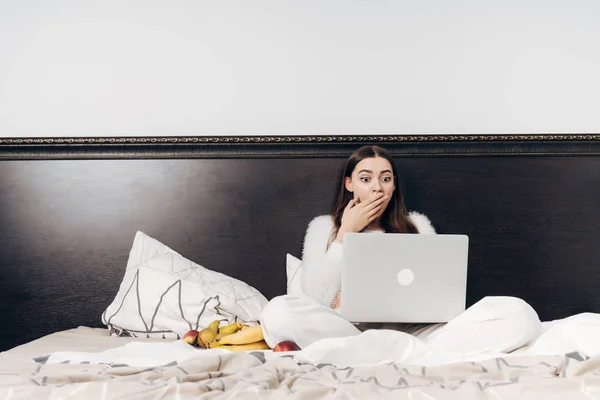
(364, 179)
(386, 179)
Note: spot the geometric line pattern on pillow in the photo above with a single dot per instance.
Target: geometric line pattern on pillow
(223, 285)
(135, 281)
(150, 329)
(162, 291)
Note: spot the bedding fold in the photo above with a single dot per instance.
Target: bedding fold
(374, 364)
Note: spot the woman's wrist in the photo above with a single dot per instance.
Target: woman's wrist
(340, 234)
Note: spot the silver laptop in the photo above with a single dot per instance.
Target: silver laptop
(395, 277)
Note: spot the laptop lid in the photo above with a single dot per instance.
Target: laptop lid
(403, 278)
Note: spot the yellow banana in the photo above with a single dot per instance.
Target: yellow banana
(252, 334)
(229, 330)
(261, 345)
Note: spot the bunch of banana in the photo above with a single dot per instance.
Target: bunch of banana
(246, 338)
(235, 337)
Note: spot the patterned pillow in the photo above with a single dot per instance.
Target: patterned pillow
(163, 294)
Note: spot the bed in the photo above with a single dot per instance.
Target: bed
(71, 208)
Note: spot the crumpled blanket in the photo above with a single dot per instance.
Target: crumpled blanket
(212, 375)
(374, 364)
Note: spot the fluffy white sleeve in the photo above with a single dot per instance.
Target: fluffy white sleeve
(321, 267)
(422, 223)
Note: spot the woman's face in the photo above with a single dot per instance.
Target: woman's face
(372, 176)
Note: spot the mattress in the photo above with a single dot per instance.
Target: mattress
(81, 339)
(25, 372)
(86, 339)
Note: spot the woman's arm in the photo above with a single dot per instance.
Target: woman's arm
(336, 301)
(422, 223)
(321, 267)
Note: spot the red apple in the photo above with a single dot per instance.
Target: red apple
(286, 345)
(191, 337)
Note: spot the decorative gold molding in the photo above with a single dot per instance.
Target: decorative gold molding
(296, 139)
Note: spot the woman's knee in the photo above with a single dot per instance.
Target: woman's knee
(282, 312)
(516, 313)
(279, 318)
(494, 324)
(510, 307)
(275, 310)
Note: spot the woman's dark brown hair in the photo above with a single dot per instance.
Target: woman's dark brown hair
(395, 217)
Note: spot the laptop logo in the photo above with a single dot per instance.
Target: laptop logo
(406, 277)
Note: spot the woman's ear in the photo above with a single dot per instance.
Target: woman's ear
(348, 184)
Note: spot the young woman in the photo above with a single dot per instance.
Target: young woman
(369, 200)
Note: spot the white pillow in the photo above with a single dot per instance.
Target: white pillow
(294, 275)
(163, 294)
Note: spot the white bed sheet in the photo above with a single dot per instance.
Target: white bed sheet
(95, 340)
(81, 339)
(225, 375)
(317, 372)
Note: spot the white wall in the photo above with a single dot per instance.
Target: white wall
(117, 67)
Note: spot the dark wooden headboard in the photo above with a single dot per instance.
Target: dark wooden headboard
(70, 209)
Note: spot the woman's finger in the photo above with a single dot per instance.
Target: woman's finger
(373, 212)
(371, 200)
(375, 204)
(351, 203)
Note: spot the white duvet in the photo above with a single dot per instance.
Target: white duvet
(574, 334)
(375, 364)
